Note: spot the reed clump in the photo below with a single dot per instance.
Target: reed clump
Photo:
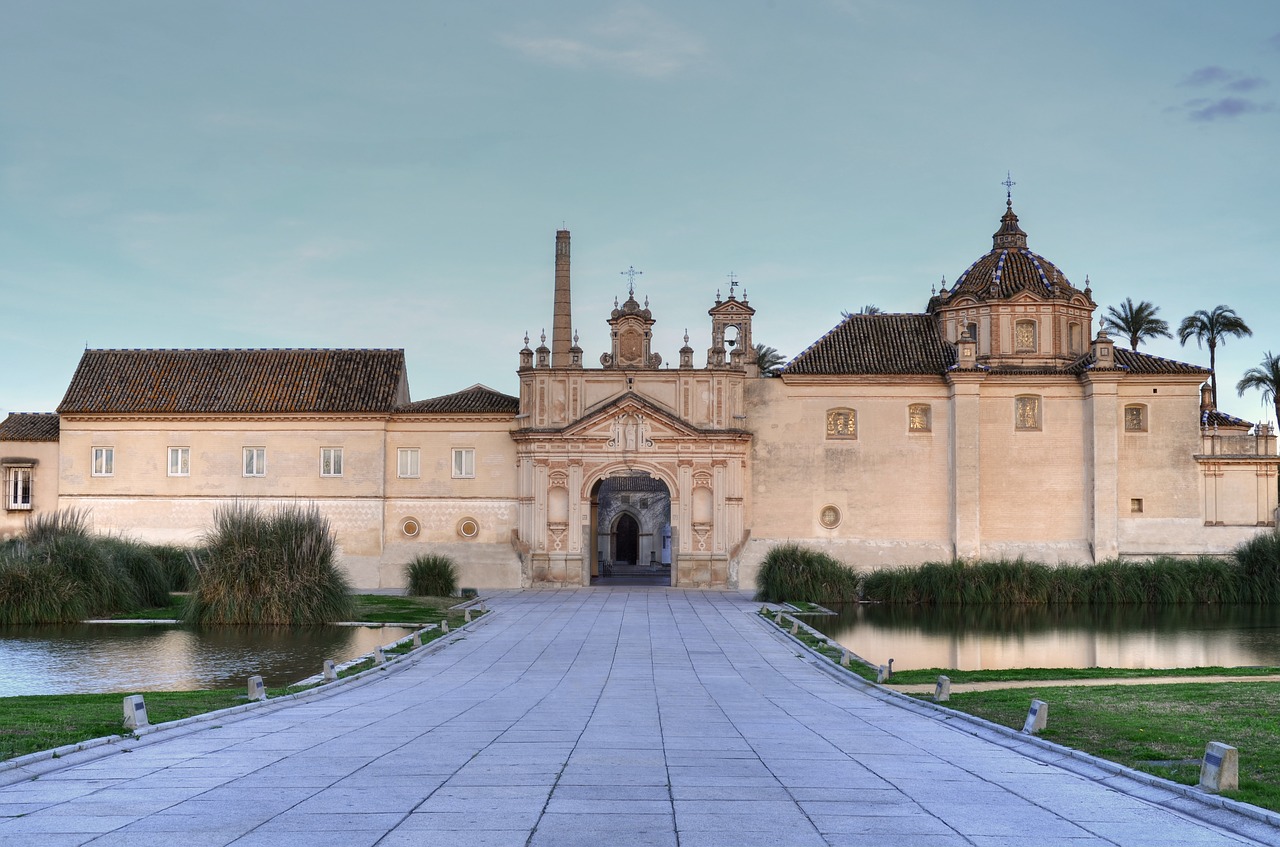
(432, 575)
(269, 568)
(792, 572)
(1249, 575)
(59, 572)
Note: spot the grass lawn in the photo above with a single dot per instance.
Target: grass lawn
(930, 675)
(388, 608)
(31, 724)
(1147, 727)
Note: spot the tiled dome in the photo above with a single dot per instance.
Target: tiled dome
(1011, 268)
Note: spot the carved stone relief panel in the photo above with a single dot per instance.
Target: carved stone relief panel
(842, 423)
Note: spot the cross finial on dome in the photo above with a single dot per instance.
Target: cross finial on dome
(631, 273)
(1008, 188)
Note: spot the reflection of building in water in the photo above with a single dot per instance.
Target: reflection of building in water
(994, 423)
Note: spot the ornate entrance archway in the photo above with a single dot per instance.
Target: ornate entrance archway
(630, 540)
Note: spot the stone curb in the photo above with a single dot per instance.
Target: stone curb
(1013, 738)
(32, 765)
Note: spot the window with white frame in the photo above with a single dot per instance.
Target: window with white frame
(255, 461)
(408, 463)
(330, 461)
(104, 461)
(17, 488)
(179, 461)
(464, 463)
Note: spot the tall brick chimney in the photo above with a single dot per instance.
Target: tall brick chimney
(562, 320)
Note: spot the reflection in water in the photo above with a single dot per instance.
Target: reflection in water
(996, 637)
(129, 658)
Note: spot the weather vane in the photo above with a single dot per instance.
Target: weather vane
(733, 283)
(1008, 187)
(631, 273)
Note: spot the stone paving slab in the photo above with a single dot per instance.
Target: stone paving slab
(614, 716)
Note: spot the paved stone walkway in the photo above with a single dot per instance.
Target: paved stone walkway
(594, 717)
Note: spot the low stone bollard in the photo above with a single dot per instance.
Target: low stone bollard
(466, 616)
(378, 656)
(844, 657)
(795, 627)
(330, 672)
(942, 691)
(764, 610)
(135, 712)
(444, 626)
(1037, 717)
(417, 640)
(257, 691)
(778, 618)
(1220, 770)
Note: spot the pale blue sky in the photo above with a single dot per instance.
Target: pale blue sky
(391, 174)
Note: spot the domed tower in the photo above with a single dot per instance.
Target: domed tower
(1018, 307)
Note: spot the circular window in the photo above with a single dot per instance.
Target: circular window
(410, 527)
(468, 528)
(829, 517)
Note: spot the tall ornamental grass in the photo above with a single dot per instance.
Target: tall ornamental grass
(59, 572)
(432, 575)
(274, 568)
(1250, 575)
(792, 572)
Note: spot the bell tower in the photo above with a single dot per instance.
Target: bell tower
(731, 345)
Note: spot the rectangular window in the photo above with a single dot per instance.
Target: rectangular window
(255, 461)
(330, 461)
(464, 463)
(1135, 505)
(18, 489)
(408, 463)
(104, 461)
(1135, 418)
(179, 461)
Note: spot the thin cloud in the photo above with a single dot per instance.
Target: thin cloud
(1225, 107)
(631, 39)
(1248, 83)
(1207, 76)
(1228, 105)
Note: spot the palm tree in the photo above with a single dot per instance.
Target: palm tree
(769, 360)
(1137, 322)
(869, 309)
(1265, 378)
(1212, 328)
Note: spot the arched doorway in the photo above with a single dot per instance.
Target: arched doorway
(626, 540)
(631, 528)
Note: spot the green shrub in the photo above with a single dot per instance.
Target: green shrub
(432, 575)
(792, 572)
(138, 562)
(269, 568)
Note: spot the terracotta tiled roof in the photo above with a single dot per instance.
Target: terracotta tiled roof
(29, 426)
(1012, 268)
(236, 381)
(1139, 363)
(476, 400)
(877, 344)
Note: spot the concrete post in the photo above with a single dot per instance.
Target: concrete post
(1220, 770)
(378, 656)
(135, 712)
(844, 657)
(257, 691)
(466, 616)
(1037, 717)
(417, 639)
(942, 691)
(330, 672)
(444, 627)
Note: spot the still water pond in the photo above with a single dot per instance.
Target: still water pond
(130, 658)
(993, 638)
